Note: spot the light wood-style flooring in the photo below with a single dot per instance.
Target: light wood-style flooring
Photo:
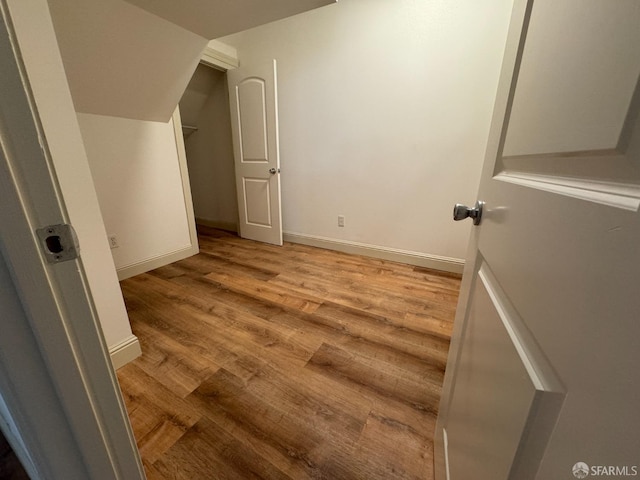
(264, 362)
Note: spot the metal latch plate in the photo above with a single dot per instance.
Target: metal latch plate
(59, 243)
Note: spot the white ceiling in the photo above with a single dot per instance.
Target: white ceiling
(216, 18)
(123, 61)
(134, 59)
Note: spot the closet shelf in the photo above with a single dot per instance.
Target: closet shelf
(188, 130)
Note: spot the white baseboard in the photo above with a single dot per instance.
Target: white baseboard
(228, 226)
(446, 264)
(125, 351)
(156, 262)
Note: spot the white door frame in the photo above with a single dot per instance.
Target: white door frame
(58, 385)
(221, 57)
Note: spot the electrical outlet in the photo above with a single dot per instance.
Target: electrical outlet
(113, 241)
(341, 220)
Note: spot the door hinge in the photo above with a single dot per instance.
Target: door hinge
(59, 243)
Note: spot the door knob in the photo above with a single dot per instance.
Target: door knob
(273, 171)
(460, 212)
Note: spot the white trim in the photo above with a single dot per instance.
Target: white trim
(219, 56)
(624, 196)
(541, 372)
(184, 176)
(125, 351)
(152, 263)
(436, 262)
(446, 453)
(222, 225)
(490, 285)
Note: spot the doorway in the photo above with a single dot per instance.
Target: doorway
(206, 127)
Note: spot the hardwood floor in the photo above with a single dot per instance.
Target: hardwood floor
(286, 363)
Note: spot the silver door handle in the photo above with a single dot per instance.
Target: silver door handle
(273, 171)
(460, 212)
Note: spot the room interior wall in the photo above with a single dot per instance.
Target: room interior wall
(137, 176)
(126, 70)
(48, 83)
(384, 112)
(205, 105)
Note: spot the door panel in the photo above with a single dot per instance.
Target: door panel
(254, 124)
(256, 191)
(574, 95)
(577, 98)
(252, 113)
(556, 257)
(504, 385)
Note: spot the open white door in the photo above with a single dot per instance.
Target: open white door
(542, 380)
(254, 123)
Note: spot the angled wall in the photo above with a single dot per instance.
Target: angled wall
(122, 61)
(214, 18)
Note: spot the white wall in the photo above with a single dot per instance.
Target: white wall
(384, 115)
(54, 104)
(127, 69)
(205, 104)
(140, 188)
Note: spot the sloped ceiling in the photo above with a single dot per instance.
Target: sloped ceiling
(197, 93)
(216, 18)
(123, 61)
(134, 59)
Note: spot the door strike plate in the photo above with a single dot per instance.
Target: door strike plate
(59, 243)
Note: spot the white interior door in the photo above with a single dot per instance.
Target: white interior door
(543, 367)
(254, 123)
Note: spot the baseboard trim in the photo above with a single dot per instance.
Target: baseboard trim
(228, 226)
(156, 262)
(446, 264)
(125, 352)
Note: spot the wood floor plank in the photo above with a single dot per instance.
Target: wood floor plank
(199, 340)
(392, 306)
(305, 397)
(174, 416)
(289, 362)
(411, 454)
(271, 430)
(304, 302)
(380, 330)
(380, 378)
(230, 328)
(207, 451)
(170, 362)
